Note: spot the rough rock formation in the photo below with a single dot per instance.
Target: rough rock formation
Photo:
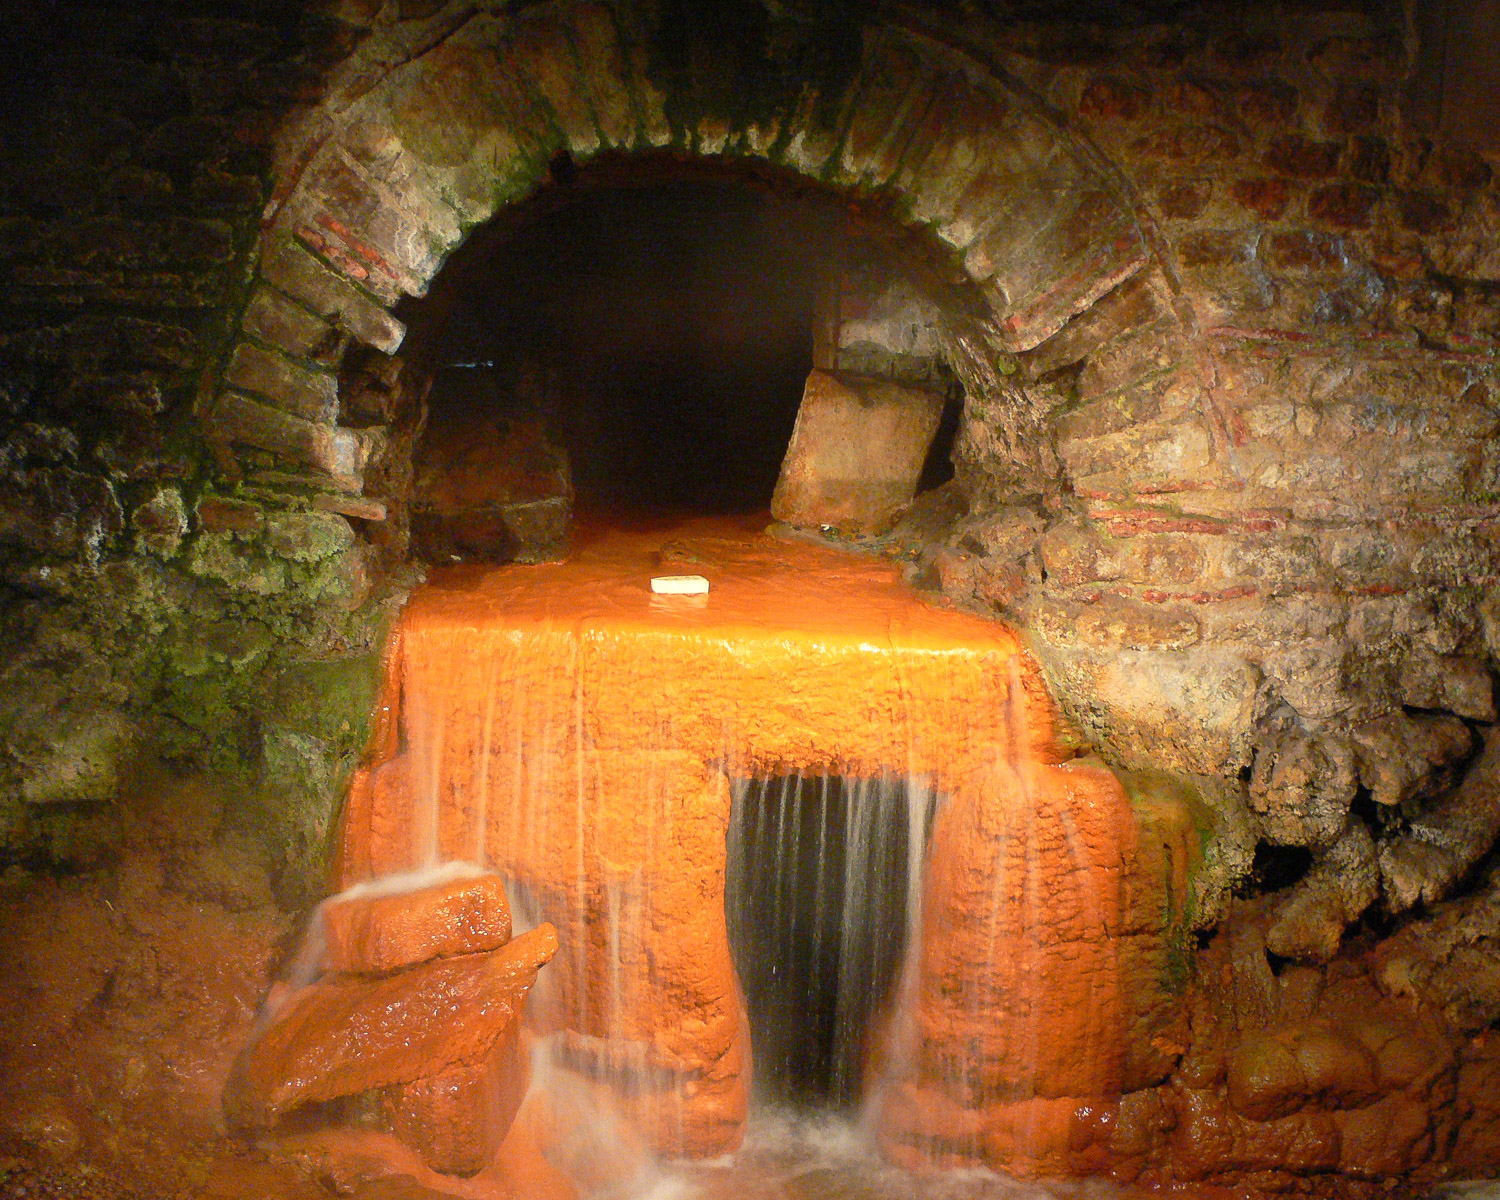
(437, 1035)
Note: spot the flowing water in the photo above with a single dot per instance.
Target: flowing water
(807, 816)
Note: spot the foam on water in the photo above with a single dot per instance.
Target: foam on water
(812, 1156)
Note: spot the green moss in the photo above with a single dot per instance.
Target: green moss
(332, 700)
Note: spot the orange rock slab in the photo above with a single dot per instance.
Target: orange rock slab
(348, 1035)
(380, 933)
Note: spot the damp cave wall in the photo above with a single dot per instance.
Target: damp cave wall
(1254, 511)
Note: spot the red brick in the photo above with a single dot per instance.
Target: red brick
(1268, 105)
(1455, 169)
(1303, 251)
(1423, 213)
(1111, 99)
(1184, 200)
(1354, 108)
(1190, 143)
(1266, 198)
(1299, 156)
(1347, 205)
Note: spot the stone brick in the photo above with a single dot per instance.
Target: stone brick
(1303, 252)
(359, 507)
(1267, 198)
(1245, 51)
(218, 556)
(1215, 248)
(1153, 455)
(1368, 160)
(340, 453)
(1129, 358)
(1189, 144)
(1301, 157)
(1344, 204)
(290, 268)
(59, 511)
(1423, 212)
(1112, 99)
(1452, 683)
(307, 536)
(1115, 623)
(1133, 304)
(1268, 105)
(1353, 108)
(604, 72)
(290, 385)
(1189, 99)
(542, 52)
(1184, 200)
(1088, 251)
(894, 79)
(1110, 414)
(220, 514)
(1074, 555)
(272, 317)
(160, 522)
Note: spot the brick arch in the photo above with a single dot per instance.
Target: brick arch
(433, 126)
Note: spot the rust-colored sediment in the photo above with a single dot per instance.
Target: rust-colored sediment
(576, 733)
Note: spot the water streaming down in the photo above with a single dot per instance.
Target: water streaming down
(821, 872)
(607, 752)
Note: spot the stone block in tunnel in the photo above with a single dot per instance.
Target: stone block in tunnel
(856, 453)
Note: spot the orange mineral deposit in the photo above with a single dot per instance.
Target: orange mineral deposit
(578, 735)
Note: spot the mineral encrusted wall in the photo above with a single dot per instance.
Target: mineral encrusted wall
(1242, 501)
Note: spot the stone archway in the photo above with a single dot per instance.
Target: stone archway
(434, 125)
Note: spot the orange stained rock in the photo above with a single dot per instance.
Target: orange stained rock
(565, 727)
(379, 933)
(348, 1034)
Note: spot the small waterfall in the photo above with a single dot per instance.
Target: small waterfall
(823, 896)
(810, 801)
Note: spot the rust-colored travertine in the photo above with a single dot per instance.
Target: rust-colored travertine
(349, 1034)
(375, 934)
(567, 729)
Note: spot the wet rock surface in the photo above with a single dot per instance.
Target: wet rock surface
(345, 1036)
(378, 934)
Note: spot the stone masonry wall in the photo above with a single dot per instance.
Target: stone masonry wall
(1271, 555)
(159, 610)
